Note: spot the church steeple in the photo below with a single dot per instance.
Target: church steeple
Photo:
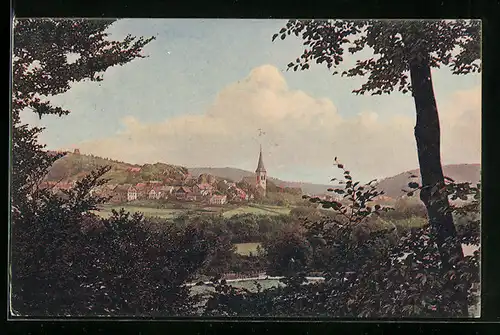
(261, 174)
(260, 165)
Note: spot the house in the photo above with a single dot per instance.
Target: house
(134, 169)
(131, 193)
(192, 196)
(166, 190)
(142, 190)
(204, 189)
(181, 192)
(121, 194)
(240, 194)
(155, 192)
(218, 199)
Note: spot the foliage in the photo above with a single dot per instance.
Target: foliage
(452, 43)
(367, 277)
(288, 253)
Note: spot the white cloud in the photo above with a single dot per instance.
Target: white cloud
(301, 133)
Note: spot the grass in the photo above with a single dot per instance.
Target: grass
(258, 210)
(163, 213)
(245, 249)
(169, 213)
(413, 222)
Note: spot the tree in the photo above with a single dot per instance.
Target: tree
(405, 51)
(41, 68)
(43, 224)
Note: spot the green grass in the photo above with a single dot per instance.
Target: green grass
(163, 213)
(169, 213)
(258, 210)
(245, 249)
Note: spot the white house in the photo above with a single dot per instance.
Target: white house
(204, 189)
(218, 199)
(131, 194)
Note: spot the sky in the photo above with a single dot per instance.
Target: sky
(208, 86)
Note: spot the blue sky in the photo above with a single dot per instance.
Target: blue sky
(188, 66)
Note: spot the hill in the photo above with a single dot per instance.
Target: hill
(74, 166)
(235, 174)
(392, 186)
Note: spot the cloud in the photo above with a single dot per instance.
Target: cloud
(302, 133)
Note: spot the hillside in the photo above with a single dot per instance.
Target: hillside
(235, 174)
(74, 166)
(458, 172)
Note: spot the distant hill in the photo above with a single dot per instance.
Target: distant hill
(392, 186)
(235, 174)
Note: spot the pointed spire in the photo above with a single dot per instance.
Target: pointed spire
(260, 165)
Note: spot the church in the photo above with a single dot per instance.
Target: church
(261, 175)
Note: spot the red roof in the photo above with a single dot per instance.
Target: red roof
(183, 189)
(156, 189)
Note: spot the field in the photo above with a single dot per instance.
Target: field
(246, 248)
(164, 213)
(170, 213)
(258, 209)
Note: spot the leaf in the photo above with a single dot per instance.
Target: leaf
(449, 179)
(413, 185)
(340, 166)
(274, 37)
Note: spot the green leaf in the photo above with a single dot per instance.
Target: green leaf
(274, 37)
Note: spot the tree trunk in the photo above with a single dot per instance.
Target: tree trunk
(432, 194)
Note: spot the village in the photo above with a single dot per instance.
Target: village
(158, 190)
(202, 190)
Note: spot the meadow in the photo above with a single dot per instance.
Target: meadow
(170, 213)
(245, 249)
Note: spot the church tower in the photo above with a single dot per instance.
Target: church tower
(261, 174)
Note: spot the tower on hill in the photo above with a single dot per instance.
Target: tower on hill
(261, 174)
